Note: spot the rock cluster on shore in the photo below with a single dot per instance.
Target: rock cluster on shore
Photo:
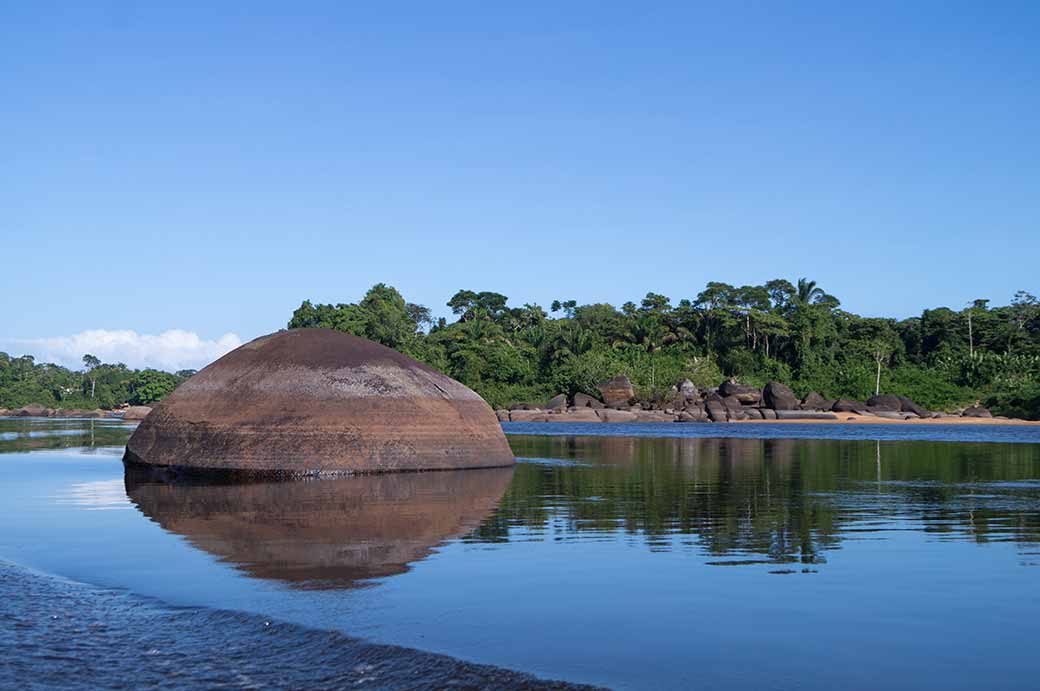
(730, 401)
(36, 410)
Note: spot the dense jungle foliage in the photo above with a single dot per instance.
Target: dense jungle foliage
(98, 385)
(795, 333)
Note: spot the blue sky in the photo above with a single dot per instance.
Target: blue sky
(205, 168)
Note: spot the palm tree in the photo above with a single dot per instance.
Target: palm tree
(808, 292)
(650, 333)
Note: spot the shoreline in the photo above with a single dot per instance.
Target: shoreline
(856, 419)
(660, 417)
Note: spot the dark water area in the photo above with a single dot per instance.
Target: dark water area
(663, 558)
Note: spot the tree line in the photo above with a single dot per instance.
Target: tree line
(97, 385)
(796, 333)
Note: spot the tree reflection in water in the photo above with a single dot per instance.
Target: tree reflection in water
(780, 500)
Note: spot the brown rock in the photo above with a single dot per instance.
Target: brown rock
(715, 409)
(885, 402)
(611, 415)
(575, 415)
(747, 395)
(583, 400)
(502, 415)
(846, 405)
(780, 397)
(617, 392)
(528, 416)
(136, 412)
(32, 410)
(654, 416)
(317, 401)
(976, 411)
(557, 401)
(732, 403)
(814, 401)
(908, 406)
(688, 390)
(893, 415)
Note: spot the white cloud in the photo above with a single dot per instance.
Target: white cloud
(171, 350)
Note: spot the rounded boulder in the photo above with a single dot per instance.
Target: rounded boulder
(319, 402)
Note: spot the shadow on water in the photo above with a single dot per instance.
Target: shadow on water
(327, 533)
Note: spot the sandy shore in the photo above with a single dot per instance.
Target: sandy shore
(853, 418)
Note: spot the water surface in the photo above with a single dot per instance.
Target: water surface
(636, 561)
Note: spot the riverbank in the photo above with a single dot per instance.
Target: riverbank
(852, 418)
(608, 415)
(134, 412)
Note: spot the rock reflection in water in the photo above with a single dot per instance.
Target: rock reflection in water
(323, 534)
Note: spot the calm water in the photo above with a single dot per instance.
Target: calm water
(628, 559)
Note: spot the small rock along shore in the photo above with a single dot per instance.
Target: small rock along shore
(734, 402)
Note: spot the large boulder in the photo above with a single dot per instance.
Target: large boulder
(908, 406)
(976, 411)
(583, 400)
(780, 397)
(715, 408)
(732, 404)
(654, 416)
(573, 415)
(885, 402)
(32, 410)
(317, 401)
(691, 415)
(847, 405)
(747, 395)
(612, 415)
(529, 416)
(617, 392)
(689, 390)
(136, 412)
(814, 401)
(557, 402)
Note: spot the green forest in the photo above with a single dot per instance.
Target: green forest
(98, 385)
(794, 333)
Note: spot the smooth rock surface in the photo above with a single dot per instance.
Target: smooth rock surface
(317, 401)
(617, 392)
(780, 397)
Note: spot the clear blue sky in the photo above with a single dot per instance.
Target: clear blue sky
(207, 168)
